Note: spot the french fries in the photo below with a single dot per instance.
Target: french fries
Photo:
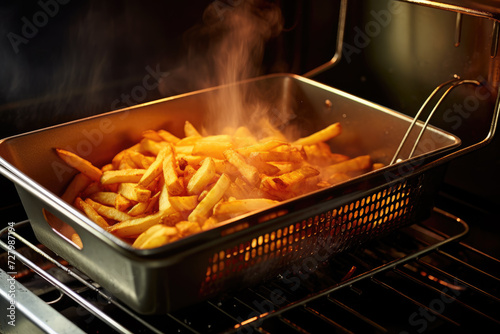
(323, 135)
(82, 165)
(202, 177)
(165, 187)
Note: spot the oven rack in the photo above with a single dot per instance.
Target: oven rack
(354, 269)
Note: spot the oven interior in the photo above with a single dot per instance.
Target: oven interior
(78, 60)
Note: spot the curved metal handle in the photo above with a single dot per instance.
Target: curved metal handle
(465, 150)
(455, 82)
(340, 42)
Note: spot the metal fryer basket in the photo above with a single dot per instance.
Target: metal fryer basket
(295, 235)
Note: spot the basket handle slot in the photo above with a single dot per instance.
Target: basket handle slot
(63, 230)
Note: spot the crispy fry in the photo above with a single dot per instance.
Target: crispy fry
(207, 203)
(223, 166)
(192, 160)
(186, 228)
(264, 167)
(360, 163)
(93, 187)
(80, 164)
(108, 212)
(290, 156)
(151, 134)
(104, 197)
(134, 192)
(284, 167)
(163, 201)
(320, 154)
(127, 162)
(190, 130)
(167, 136)
(174, 185)
(138, 209)
(122, 175)
(188, 174)
(142, 208)
(91, 213)
(337, 177)
(122, 203)
(323, 135)
(107, 167)
(260, 147)
(209, 223)
(135, 226)
(249, 172)
(155, 169)
(183, 203)
(288, 180)
(203, 176)
(151, 146)
(77, 185)
(213, 149)
(155, 236)
(140, 160)
(188, 141)
(115, 162)
(184, 150)
(237, 207)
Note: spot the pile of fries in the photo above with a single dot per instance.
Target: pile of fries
(165, 188)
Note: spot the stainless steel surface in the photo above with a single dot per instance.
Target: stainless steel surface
(30, 313)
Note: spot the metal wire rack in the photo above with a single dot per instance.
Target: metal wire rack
(410, 257)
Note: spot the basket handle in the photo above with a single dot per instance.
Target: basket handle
(339, 44)
(453, 83)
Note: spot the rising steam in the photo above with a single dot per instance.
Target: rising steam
(227, 47)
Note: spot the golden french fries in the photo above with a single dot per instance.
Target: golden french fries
(91, 213)
(241, 206)
(249, 172)
(165, 187)
(323, 135)
(170, 177)
(155, 236)
(190, 130)
(202, 177)
(201, 211)
(82, 165)
(121, 176)
(77, 185)
(135, 226)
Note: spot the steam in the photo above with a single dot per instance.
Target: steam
(227, 47)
